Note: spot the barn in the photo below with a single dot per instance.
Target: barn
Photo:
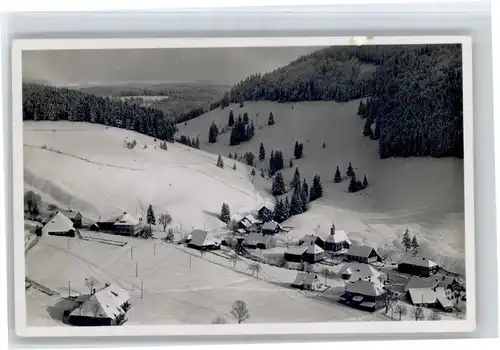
(429, 297)
(418, 266)
(203, 240)
(271, 228)
(59, 225)
(364, 295)
(75, 216)
(127, 225)
(363, 254)
(106, 307)
(257, 240)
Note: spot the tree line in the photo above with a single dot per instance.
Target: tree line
(414, 93)
(42, 102)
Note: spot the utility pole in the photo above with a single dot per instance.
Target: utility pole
(69, 288)
(142, 290)
(154, 248)
(189, 260)
(69, 244)
(131, 253)
(137, 269)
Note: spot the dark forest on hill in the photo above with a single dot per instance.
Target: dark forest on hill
(414, 93)
(42, 102)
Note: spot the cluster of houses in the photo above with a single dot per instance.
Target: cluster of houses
(105, 307)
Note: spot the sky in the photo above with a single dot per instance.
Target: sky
(218, 65)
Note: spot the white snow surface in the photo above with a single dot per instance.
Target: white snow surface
(424, 194)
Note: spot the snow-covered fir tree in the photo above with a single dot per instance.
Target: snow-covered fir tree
(225, 213)
(278, 187)
(213, 133)
(337, 177)
(262, 152)
(296, 206)
(220, 162)
(151, 219)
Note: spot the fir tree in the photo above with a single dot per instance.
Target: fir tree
(231, 118)
(151, 219)
(350, 170)
(249, 158)
(290, 164)
(225, 213)
(197, 143)
(316, 189)
(406, 240)
(234, 166)
(353, 184)
(414, 245)
(278, 187)
(271, 119)
(296, 206)
(253, 172)
(305, 195)
(286, 209)
(213, 133)
(262, 174)
(337, 177)
(279, 214)
(324, 144)
(262, 152)
(365, 182)
(296, 178)
(298, 150)
(230, 156)
(220, 162)
(367, 131)
(245, 118)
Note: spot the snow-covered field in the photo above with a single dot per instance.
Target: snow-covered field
(173, 291)
(424, 194)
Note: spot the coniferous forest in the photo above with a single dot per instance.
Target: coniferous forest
(413, 94)
(41, 102)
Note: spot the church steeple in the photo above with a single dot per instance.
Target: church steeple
(332, 229)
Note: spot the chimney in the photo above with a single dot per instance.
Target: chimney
(332, 229)
(124, 212)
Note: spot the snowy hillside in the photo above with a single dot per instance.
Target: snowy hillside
(422, 193)
(87, 167)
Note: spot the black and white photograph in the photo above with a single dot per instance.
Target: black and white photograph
(323, 182)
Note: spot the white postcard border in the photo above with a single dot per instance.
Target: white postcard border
(373, 327)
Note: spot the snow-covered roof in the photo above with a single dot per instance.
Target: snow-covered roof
(246, 222)
(423, 282)
(201, 238)
(362, 251)
(443, 299)
(339, 237)
(364, 288)
(271, 226)
(71, 214)
(105, 303)
(296, 250)
(254, 238)
(359, 271)
(304, 278)
(127, 219)
(422, 295)
(419, 261)
(58, 223)
(314, 249)
(114, 292)
(311, 239)
(264, 207)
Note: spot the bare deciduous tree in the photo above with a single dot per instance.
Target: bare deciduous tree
(417, 313)
(434, 316)
(326, 273)
(255, 268)
(165, 219)
(90, 282)
(219, 320)
(239, 311)
(234, 259)
(400, 310)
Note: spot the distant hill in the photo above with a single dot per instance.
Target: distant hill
(414, 93)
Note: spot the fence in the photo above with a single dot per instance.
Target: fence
(40, 287)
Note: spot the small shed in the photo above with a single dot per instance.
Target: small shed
(306, 280)
(363, 254)
(419, 266)
(271, 228)
(59, 225)
(203, 240)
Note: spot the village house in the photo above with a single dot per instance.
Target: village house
(364, 295)
(109, 224)
(128, 225)
(306, 280)
(203, 240)
(363, 254)
(337, 241)
(357, 271)
(59, 225)
(106, 307)
(265, 214)
(271, 228)
(448, 283)
(429, 297)
(75, 216)
(245, 225)
(295, 257)
(257, 240)
(419, 266)
(308, 239)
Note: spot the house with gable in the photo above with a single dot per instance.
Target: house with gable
(362, 254)
(59, 225)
